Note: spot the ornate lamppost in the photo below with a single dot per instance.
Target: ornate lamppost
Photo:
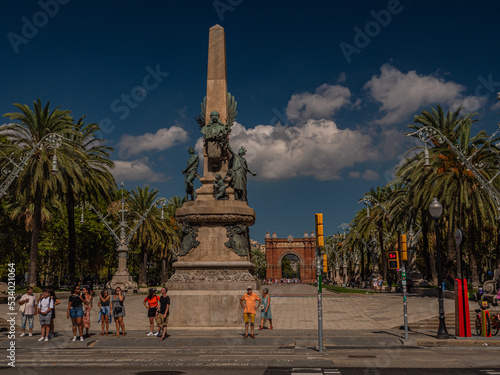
(123, 235)
(51, 141)
(436, 209)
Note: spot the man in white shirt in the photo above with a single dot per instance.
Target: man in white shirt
(28, 300)
(45, 306)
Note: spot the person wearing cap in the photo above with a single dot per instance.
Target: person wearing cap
(252, 300)
(151, 303)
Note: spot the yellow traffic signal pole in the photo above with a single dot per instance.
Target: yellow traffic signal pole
(404, 258)
(319, 244)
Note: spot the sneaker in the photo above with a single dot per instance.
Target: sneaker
(74, 338)
(41, 338)
(81, 338)
(30, 334)
(22, 334)
(46, 339)
(150, 334)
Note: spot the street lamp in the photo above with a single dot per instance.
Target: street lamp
(436, 209)
(123, 236)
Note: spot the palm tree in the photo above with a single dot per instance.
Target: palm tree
(465, 204)
(96, 179)
(34, 183)
(174, 238)
(152, 233)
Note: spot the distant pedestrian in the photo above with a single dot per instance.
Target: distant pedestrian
(375, 284)
(389, 284)
(265, 309)
(28, 310)
(380, 283)
(75, 312)
(151, 303)
(104, 313)
(251, 300)
(56, 302)
(162, 313)
(45, 306)
(87, 307)
(118, 311)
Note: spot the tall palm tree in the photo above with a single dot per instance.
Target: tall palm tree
(174, 238)
(96, 179)
(465, 204)
(152, 233)
(34, 183)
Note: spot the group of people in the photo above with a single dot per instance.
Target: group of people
(80, 305)
(44, 307)
(250, 302)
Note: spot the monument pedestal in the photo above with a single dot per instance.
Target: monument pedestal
(122, 277)
(215, 272)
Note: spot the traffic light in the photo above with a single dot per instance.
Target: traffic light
(403, 247)
(393, 260)
(320, 242)
(325, 263)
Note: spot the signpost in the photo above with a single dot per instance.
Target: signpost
(462, 314)
(320, 242)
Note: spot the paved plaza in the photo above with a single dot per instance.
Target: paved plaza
(294, 307)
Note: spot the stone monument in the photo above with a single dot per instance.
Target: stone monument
(213, 268)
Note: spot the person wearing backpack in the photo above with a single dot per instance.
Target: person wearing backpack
(27, 307)
(151, 303)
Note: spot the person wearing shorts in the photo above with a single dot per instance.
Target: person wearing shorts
(75, 312)
(251, 300)
(28, 300)
(151, 303)
(45, 306)
(162, 313)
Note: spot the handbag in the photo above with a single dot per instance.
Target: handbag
(22, 307)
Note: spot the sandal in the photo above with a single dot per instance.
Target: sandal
(270, 327)
(101, 334)
(260, 328)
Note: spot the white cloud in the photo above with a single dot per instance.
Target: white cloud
(319, 149)
(495, 106)
(370, 175)
(163, 139)
(135, 170)
(354, 175)
(326, 100)
(403, 94)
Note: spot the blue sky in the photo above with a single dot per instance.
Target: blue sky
(325, 89)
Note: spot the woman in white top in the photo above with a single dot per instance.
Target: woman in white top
(45, 306)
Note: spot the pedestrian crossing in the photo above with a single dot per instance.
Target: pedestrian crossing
(490, 372)
(302, 371)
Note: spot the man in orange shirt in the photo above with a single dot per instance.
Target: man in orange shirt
(252, 300)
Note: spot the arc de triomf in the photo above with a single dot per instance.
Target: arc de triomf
(303, 248)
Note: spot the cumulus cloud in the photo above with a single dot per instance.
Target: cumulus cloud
(367, 175)
(164, 138)
(495, 106)
(403, 94)
(323, 104)
(135, 170)
(318, 149)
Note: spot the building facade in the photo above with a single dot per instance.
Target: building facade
(303, 248)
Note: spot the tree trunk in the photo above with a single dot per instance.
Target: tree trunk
(70, 208)
(450, 268)
(426, 254)
(164, 270)
(35, 238)
(143, 272)
(382, 251)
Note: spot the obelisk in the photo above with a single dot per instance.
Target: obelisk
(216, 100)
(213, 268)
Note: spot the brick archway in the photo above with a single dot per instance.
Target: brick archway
(303, 248)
